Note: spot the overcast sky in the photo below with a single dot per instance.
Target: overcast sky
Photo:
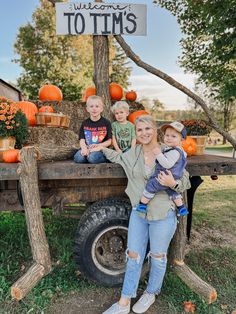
(160, 48)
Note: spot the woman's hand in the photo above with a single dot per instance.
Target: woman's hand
(166, 179)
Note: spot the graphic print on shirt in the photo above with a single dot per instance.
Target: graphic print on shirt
(124, 138)
(94, 135)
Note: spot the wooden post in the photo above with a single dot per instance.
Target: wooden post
(177, 254)
(28, 173)
(101, 70)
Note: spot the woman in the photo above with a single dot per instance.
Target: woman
(157, 226)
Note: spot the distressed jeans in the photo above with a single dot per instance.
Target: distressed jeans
(159, 233)
(92, 158)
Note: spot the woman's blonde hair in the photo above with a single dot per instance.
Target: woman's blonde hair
(119, 105)
(146, 119)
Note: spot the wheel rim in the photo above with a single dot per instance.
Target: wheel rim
(108, 250)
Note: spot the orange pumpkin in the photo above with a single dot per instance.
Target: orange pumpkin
(29, 109)
(50, 92)
(189, 146)
(89, 91)
(46, 109)
(131, 95)
(134, 115)
(10, 155)
(116, 91)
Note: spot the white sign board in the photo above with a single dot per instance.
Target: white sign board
(100, 18)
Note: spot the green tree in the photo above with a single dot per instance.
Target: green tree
(66, 61)
(224, 111)
(119, 69)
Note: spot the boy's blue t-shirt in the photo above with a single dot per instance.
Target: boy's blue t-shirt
(95, 132)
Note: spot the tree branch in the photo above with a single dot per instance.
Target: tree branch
(130, 54)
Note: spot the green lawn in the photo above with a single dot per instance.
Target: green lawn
(214, 208)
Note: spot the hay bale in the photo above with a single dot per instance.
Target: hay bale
(52, 136)
(76, 110)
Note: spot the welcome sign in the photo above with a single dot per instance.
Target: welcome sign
(101, 19)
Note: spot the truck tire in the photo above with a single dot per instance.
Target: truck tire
(101, 241)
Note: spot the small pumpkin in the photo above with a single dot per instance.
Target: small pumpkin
(134, 115)
(50, 92)
(46, 109)
(131, 95)
(29, 109)
(10, 155)
(89, 91)
(116, 91)
(189, 146)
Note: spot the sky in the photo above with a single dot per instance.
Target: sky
(160, 48)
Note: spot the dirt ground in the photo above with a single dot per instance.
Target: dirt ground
(98, 300)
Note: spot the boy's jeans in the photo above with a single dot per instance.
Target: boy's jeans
(92, 158)
(160, 233)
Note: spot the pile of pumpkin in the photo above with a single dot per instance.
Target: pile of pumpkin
(46, 92)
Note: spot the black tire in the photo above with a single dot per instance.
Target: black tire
(101, 241)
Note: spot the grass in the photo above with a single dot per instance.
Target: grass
(214, 208)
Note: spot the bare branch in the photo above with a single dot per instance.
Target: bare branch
(173, 82)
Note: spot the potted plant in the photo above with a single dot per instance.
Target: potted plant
(198, 130)
(13, 125)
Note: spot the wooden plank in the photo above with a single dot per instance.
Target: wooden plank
(204, 165)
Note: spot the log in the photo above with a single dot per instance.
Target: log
(45, 152)
(194, 282)
(28, 172)
(176, 257)
(25, 283)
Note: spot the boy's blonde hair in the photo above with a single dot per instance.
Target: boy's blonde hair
(94, 98)
(119, 105)
(146, 119)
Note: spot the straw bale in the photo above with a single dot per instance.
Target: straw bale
(53, 136)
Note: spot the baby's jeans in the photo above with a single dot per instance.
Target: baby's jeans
(160, 233)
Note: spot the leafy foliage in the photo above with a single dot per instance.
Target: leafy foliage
(65, 61)
(209, 45)
(196, 127)
(13, 122)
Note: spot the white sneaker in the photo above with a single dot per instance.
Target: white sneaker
(118, 309)
(143, 304)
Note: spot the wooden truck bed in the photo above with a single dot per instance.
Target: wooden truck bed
(64, 182)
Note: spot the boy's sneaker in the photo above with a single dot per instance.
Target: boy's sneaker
(182, 211)
(141, 208)
(118, 309)
(143, 304)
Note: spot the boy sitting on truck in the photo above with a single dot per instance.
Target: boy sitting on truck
(94, 132)
(123, 131)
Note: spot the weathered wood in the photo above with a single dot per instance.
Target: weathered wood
(205, 165)
(30, 192)
(101, 70)
(195, 283)
(29, 280)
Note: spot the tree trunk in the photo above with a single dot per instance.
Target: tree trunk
(172, 82)
(28, 173)
(101, 70)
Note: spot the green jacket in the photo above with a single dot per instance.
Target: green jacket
(133, 164)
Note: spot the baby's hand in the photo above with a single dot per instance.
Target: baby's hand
(157, 150)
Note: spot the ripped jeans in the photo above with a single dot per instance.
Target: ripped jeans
(160, 233)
